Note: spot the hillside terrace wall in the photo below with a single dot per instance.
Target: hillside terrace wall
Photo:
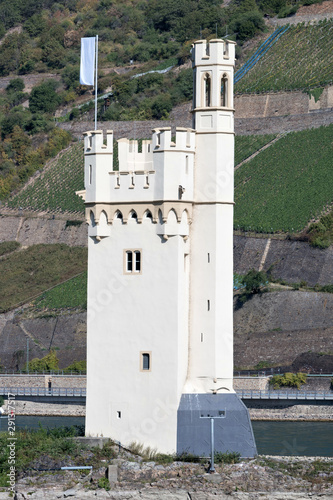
(292, 261)
(274, 112)
(34, 230)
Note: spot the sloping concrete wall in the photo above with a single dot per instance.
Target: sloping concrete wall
(292, 261)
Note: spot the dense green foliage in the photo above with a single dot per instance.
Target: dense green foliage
(77, 367)
(71, 294)
(55, 189)
(50, 362)
(277, 70)
(26, 274)
(321, 233)
(287, 184)
(254, 281)
(151, 96)
(288, 380)
(35, 449)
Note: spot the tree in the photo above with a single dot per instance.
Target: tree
(50, 362)
(44, 97)
(254, 280)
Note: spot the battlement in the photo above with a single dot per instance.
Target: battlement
(94, 142)
(213, 52)
(130, 159)
(184, 139)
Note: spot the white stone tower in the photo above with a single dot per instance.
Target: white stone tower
(160, 277)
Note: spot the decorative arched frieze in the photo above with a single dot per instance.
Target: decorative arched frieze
(159, 212)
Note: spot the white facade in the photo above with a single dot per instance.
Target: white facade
(160, 268)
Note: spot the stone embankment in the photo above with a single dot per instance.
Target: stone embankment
(267, 478)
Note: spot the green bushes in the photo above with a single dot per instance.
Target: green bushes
(50, 362)
(321, 233)
(77, 367)
(254, 281)
(288, 380)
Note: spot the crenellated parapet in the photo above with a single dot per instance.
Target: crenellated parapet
(94, 142)
(215, 51)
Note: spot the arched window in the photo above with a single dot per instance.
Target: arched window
(224, 90)
(207, 91)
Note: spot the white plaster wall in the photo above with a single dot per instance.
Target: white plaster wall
(129, 314)
(211, 338)
(214, 170)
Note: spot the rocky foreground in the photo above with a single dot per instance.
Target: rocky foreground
(265, 478)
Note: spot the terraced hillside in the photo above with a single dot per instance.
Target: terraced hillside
(301, 59)
(286, 185)
(54, 190)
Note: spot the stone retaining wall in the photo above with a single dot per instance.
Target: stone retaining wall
(34, 230)
(65, 381)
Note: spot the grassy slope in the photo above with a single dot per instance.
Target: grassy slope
(27, 273)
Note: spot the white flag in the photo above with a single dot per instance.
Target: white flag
(87, 66)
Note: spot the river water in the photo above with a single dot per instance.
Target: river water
(272, 438)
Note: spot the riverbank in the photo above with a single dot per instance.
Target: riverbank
(265, 477)
(315, 413)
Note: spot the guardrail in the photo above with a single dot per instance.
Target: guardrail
(298, 395)
(43, 391)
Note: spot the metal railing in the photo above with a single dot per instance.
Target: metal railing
(298, 395)
(44, 391)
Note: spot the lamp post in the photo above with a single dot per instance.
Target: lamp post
(212, 416)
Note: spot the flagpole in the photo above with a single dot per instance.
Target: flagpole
(96, 58)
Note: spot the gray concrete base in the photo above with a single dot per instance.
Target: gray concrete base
(232, 433)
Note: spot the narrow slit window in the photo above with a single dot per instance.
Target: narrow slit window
(129, 262)
(208, 258)
(118, 414)
(208, 305)
(202, 337)
(145, 361)
(207, 91)
(90, 174)
(137, 261)
(224, 90)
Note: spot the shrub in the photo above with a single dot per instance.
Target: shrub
(50, 362)
(77, 367)
(44, 98)
(103, 482)
(232, 457)
(254, 280)
(288, 380)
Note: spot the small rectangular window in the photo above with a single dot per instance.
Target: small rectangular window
(132, 262)
(208, 257)
(145, 361)
(118, 414)
(208, 305)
